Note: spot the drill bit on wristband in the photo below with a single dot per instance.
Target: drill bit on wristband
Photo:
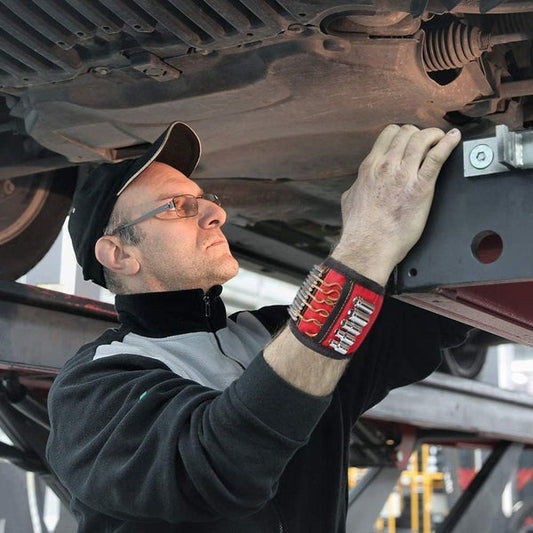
(334, 309)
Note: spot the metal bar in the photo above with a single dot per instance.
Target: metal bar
(480, 502)
(19, 458)
(55, 301)
(34, 166)
(457, 404)
(41, 329)
(503, 309)
(368, 498)
(466, 210)
(16, 394)
(514, 89)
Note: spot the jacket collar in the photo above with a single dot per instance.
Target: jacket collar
(162, 314)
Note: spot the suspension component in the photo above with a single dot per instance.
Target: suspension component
(512, 23)
(453, 46)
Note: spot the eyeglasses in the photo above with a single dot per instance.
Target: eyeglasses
(181, 206)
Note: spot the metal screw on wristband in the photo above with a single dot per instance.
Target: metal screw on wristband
(319, 316)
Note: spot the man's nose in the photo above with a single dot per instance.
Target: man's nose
(210, 214)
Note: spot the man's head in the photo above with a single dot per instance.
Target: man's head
(168, 250)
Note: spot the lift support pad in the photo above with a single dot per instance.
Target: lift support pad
(474, 262)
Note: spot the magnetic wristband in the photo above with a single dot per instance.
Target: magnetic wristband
(334, 309)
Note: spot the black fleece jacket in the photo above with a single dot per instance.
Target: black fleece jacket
(175, 423)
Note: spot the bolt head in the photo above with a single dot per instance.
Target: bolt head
(481, 156)
(101, 71)
(296, 28)
(8, 187)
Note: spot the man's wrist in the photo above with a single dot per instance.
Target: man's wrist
(334, 309)
(370, 265)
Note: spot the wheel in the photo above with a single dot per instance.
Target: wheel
(32, 211)
(465, 360)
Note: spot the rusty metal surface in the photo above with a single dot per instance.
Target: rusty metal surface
(286, 95)
(503, 309)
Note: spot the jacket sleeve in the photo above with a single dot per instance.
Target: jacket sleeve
(404, 346)
(130, 438)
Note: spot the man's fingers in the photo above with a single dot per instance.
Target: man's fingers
(400, 142)
(436, 157)
(383, 142)
(418, 148)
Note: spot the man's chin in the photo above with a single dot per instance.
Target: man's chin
(231, 271)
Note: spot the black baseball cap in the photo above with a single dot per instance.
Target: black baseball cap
(97, 193)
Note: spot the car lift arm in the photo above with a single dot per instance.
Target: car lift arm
(474, 262)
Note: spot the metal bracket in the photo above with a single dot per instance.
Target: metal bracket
(505, 151)
(153, 67)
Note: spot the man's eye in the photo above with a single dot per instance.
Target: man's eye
(180, 203)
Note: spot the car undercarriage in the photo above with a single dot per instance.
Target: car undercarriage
(286, 96)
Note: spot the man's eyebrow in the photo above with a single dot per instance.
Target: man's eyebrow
(167, 196)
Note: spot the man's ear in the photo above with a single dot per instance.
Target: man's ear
(115, 256)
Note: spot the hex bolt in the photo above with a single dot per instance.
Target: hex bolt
(296, 28)
(101, 71)
(9, 187)
(481, 156)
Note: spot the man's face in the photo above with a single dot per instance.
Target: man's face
(177, 253)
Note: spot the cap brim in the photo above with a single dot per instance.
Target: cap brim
(179, 147)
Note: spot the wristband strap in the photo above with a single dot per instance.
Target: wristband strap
(334, 309)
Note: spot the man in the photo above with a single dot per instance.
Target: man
(183, 420)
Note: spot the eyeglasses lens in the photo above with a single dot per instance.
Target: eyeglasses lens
(186, 206)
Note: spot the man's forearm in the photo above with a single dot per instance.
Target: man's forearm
(303, 368)
(384, 213)
(309, 370)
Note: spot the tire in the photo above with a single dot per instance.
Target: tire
(33, 209)
(466, 360)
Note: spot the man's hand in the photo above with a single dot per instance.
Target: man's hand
(384, 214)
(386, 209)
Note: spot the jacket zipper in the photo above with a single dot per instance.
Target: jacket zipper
(278, 514)
(207, 310)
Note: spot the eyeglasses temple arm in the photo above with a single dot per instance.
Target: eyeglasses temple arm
(160, 209)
